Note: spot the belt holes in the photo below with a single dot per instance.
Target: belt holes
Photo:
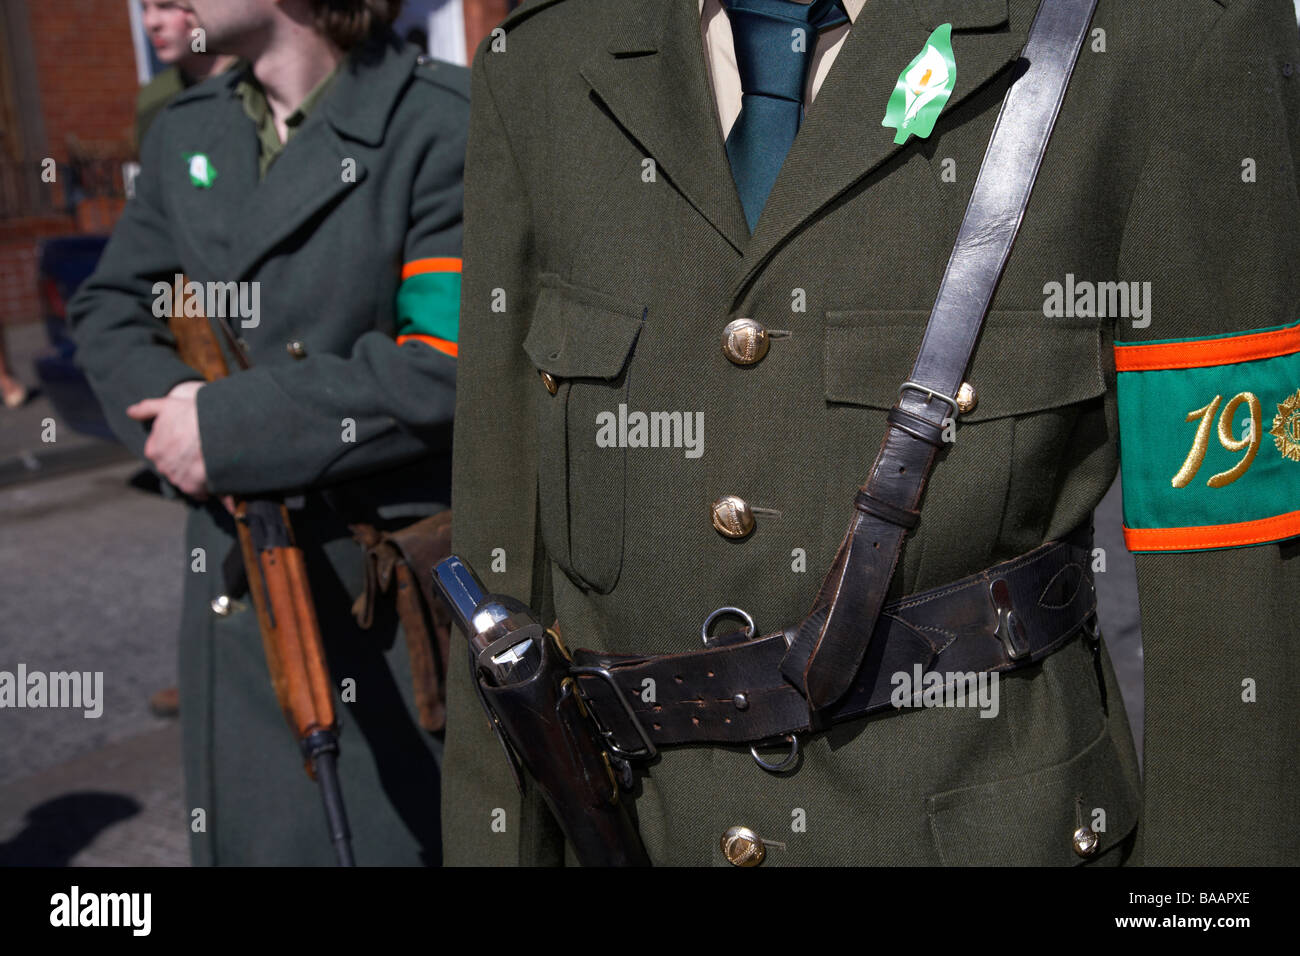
(657, 726)
(695, 721)
(708, 673)
(726, 720)
(902, 468)
(876, 545)
(677, 678)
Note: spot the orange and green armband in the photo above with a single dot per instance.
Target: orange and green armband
(428, 303)
(1210, 440)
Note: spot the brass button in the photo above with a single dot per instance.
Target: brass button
(742, 847)
(551, 383)
(744, 342)
(297, 349)
(732, 516)
(1085, 842)
(966, 398)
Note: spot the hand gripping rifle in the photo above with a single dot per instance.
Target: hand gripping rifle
(277, 582)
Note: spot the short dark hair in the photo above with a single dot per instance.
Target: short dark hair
(348, 23)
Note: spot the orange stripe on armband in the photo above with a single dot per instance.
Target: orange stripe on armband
(420, 266)
(1261, 531)
(442, 345)
(1225, 350)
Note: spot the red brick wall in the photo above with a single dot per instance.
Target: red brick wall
(86, 77)
(85, 65)
(18, 240)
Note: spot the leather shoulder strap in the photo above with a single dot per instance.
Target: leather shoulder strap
(832, 641)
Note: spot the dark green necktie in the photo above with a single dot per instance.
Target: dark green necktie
(773, 66)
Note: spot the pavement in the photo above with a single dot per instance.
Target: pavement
(92, 570)
(119, 805)
(25, 455)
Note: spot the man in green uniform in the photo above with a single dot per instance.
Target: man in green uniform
(619, 260)
(322, 184)
(170, 27)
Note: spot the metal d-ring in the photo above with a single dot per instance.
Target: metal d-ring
(785, 764)
(738, 612)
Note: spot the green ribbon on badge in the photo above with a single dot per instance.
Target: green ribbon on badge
(202, 173)
(923, 88)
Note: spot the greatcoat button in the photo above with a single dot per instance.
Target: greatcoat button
(1085, 842)
(551, 383)
(222, 606)
(742, 847)
(297, 349)
(732, 516)
(966, 398)
(744, 342)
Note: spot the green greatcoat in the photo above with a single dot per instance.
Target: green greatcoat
(606, 245)
(371, 181)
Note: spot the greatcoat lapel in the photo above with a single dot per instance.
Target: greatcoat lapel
(305, 179)
(210, 216)
(308, 176)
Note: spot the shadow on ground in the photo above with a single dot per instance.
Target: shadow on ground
(57, 830)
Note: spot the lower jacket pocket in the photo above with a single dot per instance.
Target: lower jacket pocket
(1065, 814)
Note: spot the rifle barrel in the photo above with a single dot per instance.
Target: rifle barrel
(327, 773)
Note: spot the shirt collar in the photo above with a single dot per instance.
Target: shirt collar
(851, 7)
(250, 91)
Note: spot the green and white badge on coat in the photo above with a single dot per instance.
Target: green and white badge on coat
(923, 88)
(202, 173)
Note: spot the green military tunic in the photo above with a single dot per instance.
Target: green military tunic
(351, 237)
(614, 266)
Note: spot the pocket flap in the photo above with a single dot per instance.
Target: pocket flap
(574, 334)
(1023, 363)
(1030, 820)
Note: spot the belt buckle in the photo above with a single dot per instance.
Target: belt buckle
(1009, 630)
(648, 750)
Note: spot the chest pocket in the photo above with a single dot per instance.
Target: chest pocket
(583, 341)
(1003, 488)
(1024, 362)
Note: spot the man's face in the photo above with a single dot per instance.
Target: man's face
(168, 24)
(232, 25)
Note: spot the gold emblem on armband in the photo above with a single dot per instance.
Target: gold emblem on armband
(1286, 427)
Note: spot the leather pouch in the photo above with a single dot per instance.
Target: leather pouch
(399, 566)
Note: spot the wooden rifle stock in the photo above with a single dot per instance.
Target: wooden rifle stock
(281, 595)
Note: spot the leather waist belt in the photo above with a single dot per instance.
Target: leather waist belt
(1007, 616)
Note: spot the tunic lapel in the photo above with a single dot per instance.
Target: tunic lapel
(655, 83)
(842, 139)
